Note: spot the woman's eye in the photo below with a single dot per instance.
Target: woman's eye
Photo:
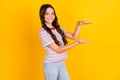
(46, 13)
(49, 14)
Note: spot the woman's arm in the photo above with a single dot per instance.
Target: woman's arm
(74, 36)
(60, 49)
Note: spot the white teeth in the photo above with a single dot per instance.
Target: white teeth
(50, 19)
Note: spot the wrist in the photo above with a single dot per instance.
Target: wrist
(79, 25)
(78, 41)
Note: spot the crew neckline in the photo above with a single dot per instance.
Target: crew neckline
(52, 28)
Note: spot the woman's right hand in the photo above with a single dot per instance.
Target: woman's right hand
(83, 41)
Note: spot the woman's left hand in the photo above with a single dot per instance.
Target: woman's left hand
(83, 22)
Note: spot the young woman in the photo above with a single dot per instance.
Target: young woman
(53, 39)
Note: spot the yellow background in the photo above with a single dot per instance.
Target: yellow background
(21, 52)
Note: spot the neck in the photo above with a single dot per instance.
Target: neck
(49, 25)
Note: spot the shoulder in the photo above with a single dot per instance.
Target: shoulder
(63, 29)
(42, 31)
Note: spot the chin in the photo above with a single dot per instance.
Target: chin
(50, 22)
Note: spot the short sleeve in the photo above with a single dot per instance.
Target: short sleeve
(63, 29)
(46, 39)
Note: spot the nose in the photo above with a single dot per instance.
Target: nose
(50, 15)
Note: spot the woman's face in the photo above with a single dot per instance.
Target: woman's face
(49, 16)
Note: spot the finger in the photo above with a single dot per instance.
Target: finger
(87, 22)
(90, 42)
(84, 41)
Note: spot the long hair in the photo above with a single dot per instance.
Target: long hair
(54, 24)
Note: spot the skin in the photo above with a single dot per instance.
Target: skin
(49, 18)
